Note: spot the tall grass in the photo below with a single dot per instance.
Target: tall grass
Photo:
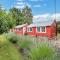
(12, 37)
(41, 52)
(24, 42)
(33, 48)
(7, 50)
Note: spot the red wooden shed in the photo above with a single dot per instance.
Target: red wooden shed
(20, 29)
(42, 28)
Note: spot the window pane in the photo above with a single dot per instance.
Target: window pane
(38, 29)
(42, 29)
(30, 29)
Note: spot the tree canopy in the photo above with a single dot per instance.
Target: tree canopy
(13, 17)
(27, 12)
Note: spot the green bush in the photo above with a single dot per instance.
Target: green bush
(7, 50)
(12, 37)
(24, 42)
(3, 38)
(3, 25)
(41, 52)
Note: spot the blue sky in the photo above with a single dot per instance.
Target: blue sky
(37, 6)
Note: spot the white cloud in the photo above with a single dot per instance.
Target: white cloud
(56, 16)
(20, 3)
(20, 7)
(52, 16)
(37, 6)
(42, 15)
(28, 5)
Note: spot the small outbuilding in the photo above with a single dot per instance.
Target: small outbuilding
(20, 29)
(43, 28)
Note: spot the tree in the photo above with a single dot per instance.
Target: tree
(27, 15)
(17, 15)
(3, 22)
(3, 25)
(10, 21)
(2, 12)
(6, 21)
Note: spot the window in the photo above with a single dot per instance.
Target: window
(38, 29)
(29, 29)
(43, 29)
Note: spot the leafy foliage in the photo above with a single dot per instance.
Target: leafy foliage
(12, 37)
(13, 17)
(17, 15)
(6, 21)
(3, 25)
(10, 21)
(27, 15)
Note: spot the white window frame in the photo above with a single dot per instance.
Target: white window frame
(37, 29)
(45, 30)
(28, 29)
(41, 29)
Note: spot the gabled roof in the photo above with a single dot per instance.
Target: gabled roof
(20, 26)
(41, 19)
(42, 23)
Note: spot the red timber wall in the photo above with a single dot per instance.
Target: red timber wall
(53, 30)
(17, 31)
(50, 31)
(20, 31)
(33, 32)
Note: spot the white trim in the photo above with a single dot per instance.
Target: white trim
(45, 30)
(37, 30)
(40, 30)
(29, 29)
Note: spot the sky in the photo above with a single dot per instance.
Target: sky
(39, 7)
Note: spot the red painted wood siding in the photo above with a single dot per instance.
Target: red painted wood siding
(50, 31)
(19, 32)
(33, 33)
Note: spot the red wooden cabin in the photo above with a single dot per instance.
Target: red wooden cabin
(20, 29)
(42, 28)
(37, 28)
